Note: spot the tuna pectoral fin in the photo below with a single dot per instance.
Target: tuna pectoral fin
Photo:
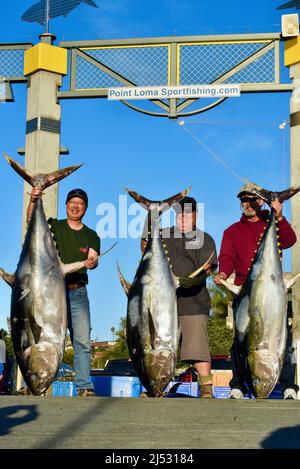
(8, 278)
(35, 328)
(203, 267)
(235, 289)
(152, 331)
(73, 267)
(162, 205)
(290, 280)
(42, 180)
(126, 285)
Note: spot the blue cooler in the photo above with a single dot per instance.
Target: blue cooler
(63, 389)
(117, 386)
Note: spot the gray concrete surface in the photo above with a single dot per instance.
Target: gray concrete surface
(102, 422)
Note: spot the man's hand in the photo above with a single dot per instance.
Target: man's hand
(187, 282)
(90, 263)
(220, 276)
(143, 244)
(278, 207)
(35, 193)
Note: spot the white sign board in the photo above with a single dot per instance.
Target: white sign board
(178, 92)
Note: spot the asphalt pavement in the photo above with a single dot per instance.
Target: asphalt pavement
(29, 422)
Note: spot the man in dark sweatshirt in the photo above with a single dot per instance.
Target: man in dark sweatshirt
(238, 248)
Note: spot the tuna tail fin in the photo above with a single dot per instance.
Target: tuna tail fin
(269, 196)
(41, 180)
(161, 205)
(126, 285)
(155, 208)
(288, 193)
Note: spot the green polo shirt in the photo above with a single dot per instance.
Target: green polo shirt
(73, 245)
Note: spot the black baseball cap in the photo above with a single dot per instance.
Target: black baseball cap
(78, 193)
(187, 204)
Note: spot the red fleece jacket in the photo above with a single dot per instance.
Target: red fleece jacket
(240, 241)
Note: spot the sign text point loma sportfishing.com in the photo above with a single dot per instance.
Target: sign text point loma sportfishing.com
(169, 92)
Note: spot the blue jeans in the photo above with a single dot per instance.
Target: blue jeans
(79, 325)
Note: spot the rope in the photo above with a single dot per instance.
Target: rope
(211, 152)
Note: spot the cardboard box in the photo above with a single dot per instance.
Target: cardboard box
(221, 377)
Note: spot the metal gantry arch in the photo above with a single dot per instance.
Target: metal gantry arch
(252, 61)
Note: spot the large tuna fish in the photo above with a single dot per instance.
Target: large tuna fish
(152, 322)
(260, 309)
(38, 301)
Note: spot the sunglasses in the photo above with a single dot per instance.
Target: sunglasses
(248, 199)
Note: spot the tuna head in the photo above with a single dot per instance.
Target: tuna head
(41, 362)
(265, 369)
(160, 368)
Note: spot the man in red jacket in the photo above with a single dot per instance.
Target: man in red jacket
(238, 248)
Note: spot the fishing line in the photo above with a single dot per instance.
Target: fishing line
(211, 152)
(233, 122)
(282, 128)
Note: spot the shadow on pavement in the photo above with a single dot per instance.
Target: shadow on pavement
(13, 416)
(76, 425)
(285, 438)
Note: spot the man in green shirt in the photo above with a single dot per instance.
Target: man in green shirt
(76, 242)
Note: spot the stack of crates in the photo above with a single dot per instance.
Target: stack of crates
(221, 392)
(63, 389)
(180, 389)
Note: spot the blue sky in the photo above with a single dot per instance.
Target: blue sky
(156, 157)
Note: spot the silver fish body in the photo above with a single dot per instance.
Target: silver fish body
(38, 306)
(152, 322)
(260, 318)
(38, 300)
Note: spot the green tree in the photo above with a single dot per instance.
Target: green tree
(68, 357)
(113, 331)
(219, 334)
(219, 299)
(120, 349)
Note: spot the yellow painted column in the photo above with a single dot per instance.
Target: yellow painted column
(44, 65)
